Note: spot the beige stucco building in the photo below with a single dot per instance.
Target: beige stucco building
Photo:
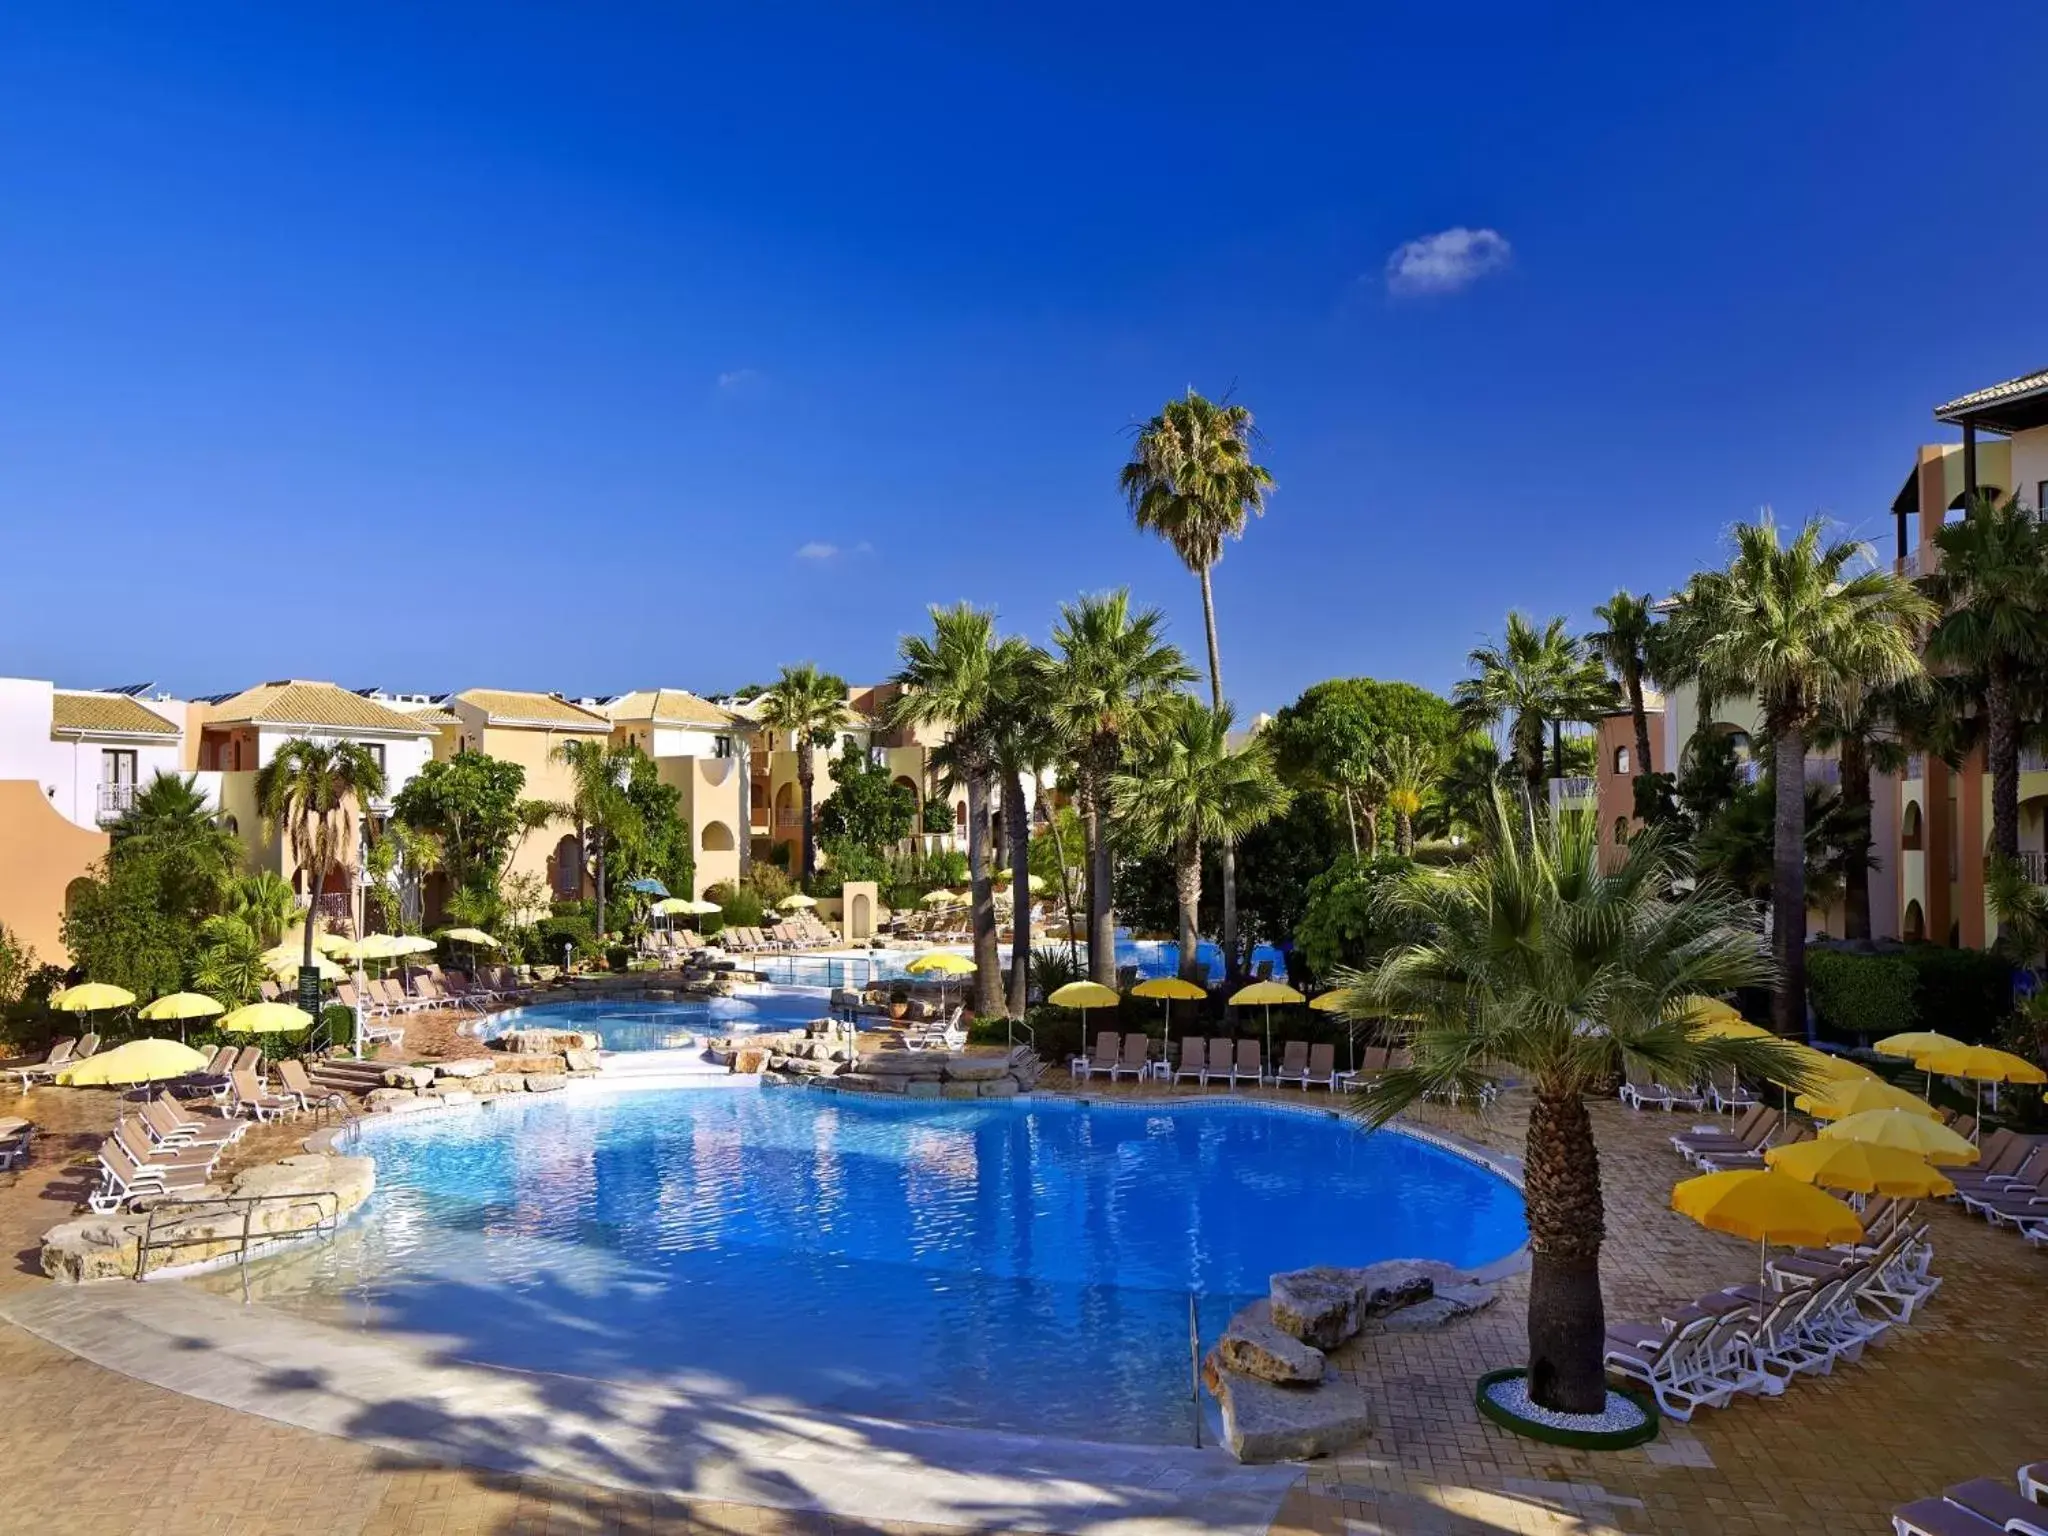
(528, 729)
(703, 751)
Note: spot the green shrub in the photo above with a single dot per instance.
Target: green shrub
(739, 906)
(566, 927)
(1966, 993)
(938, 816)
(1860, 997)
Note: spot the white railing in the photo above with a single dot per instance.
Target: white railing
(1916, 766)
(2033, 760)
(1573, 791)
(115, 801)
(2034, 865)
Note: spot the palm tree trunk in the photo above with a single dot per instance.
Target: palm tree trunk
(1788, 884)
(1641, 717)
(1017, 818)
(1567, 1319)
(2002, 747)
(1351, 819)
(600, 888)
(1101, 916)
(1187, 890)
(1856, 851)
(1231, 968)
(988, 971)
(806, 774)
(1404, 834)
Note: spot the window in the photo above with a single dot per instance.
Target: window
(2041, 499)
(117, 765)
(1620, 831)
(376, 751)
(721, 746)
(1621, 760)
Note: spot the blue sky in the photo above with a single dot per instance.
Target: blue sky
(593, 347)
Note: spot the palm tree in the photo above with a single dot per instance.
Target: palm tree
(1112, 678)
(263, 903)
(810, 705)
(1409, 769)
(957, 679)
(173, 822)
(1542, 966)
(1862, 727)
(1797, 625)
(314, 791)
(597, 803)
(1992, 590)
(1625, 646)
(1192, 481)
(1531, 679)
(1189, 788)
(1025, 744)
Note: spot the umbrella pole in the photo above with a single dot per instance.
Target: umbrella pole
(1760, 1274)
(1166, 1040)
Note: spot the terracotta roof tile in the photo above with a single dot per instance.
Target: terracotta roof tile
(503, 706)
(324, 706)
(2025, 384)
(91, 714)
(668, 706)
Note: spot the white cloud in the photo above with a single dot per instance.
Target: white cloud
(735, 381)
(817, 549)
(1446, 261)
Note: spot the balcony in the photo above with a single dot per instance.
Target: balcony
(1578, 794)
(1916, 766)
(115, 801)
(2033, 760)
(2034, 864)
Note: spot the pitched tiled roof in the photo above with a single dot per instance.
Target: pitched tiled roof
(667, 706)
(509, 707)
(325, 706)
(432, 715)
(2025, 384)
(92, 714)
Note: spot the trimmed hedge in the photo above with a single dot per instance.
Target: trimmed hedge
(1864, 996)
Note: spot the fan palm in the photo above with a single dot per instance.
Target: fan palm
(1992, 589)
(1192, 481)
(1532, 678)
(1542, 966)
(1189, 788)
(1625, 645)
(1112, 678)
(1409, 769)
(172, 821)
(264, 904)
(1796, 625)
(810, 705)
(597, 803)
(957, 679)
(313, 791)
(1862, 726)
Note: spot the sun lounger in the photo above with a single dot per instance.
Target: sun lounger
(1194, 1060)
(297, 1085)
(1102, 1059)
(88, 1044)
(1322, 1069)
(1249, 1068)
(1293, 1066)
(122, 1180)
(1725, 1160)
(1938, 1517)
(59, 1054)
(1749, 1132)
(1728, 1092)
(170, 1126)
(17, 1140)
(2033, 1481)
(134, 1140)
(248, 1059)
(2000, 1505)
(249, 1096)
(1671, 1362)
(1136, 1058)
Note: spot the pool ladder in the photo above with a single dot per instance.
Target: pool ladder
(327, 1225)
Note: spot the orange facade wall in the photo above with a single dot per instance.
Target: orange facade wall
(41, 853)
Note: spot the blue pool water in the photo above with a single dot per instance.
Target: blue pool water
(1151, 957)
(630, 1025)
(1021, 1264)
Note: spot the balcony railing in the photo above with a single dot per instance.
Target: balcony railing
(2033, 760)
(1916, 766)
(115, 801)
(1573, 791)
(2034, 866)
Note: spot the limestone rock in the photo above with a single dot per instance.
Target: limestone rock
(805, 1066)
(857, 1082)
(386, 1101)
(468, 1066)
(408, 1077)
(749, 1061)
(1265, 1422)
(1450, 1304)
(315, 1174)
(527, 1062)
(581, 1061)
(975, 1069)
(546, 1042)
(905, 1063)
(1253, 1346)
(450, 1093)
(960, 1090)
(999, 1088)
(1319, 1306)
(912, 1087)
(546, 1082)
(91, 1248)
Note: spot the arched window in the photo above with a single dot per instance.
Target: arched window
(1912, 833)
(1621, 760)
(566, 868)
(1914, 929)
(1620, 830)
(717, 837)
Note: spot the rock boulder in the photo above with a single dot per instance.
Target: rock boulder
(1318, 1306)
(1265, 1422)
(1253, 1346)
(468, 1066)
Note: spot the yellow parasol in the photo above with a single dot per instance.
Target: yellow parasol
(670, 906)
(1915, 1043)
(1897, 1128)
(1981, 1064)
(1861, 1167)
(178, 1007)
(1084, 995)
(471, 936)
(266, 1019)
(701, 908)
(91, 997)
(796, 901)
(941, 963)
(1854, 1096)
(1719, 1028)
(290, 965)
(939, 898)
(1706, 1009)
(1265, 994)
(1769, 1206)
(139, 1061)
(1166, 989)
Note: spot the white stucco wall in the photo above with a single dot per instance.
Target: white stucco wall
(68, 770)
(404, 756)
(2030, 466)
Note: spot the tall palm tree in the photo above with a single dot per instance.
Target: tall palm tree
(1992, 589)
(1531, 679)
(1625, 645)
(1796, 625)
(1113, 676)
(1025, 745)
(314, 791)
(597, 802)
(1542, 966)
(1191, 480)
(1187, 788)
(957, 679)
(1410, 770)
(810, 705)
(1862, 726)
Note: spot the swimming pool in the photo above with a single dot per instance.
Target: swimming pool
(1022, 1264)
(634, 1024)
(1150, 957)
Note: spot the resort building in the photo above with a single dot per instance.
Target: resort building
(231, 736)
(70, 763)
(528, 729)
(704, 752)
(1611, 791)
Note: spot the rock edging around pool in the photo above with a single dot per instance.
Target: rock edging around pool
(519, 1061)
(299, 1194)
(822, 1051)
(1269, 1373)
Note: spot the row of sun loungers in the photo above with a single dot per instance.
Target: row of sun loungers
(167, 1149)
(61, 1054)
(1981, 1507)
(1231, 1062)
(942, 1034)
(1826, 1305)
(1724, 1090)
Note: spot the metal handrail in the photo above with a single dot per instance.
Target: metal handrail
(326, 1226)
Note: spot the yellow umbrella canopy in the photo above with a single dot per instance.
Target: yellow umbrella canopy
(1720, 1027)
(181, 1005)
(471, 936)
(139, 1061)
(91, 996)
(1331, 1001)
(1169, 987)
(290, 964)
(1929, 1139)
(376, 946)
(1915, 1043)
(1831, 1068)
(1981, 1063)
(701, 907)
(1768, 1206)
(1844, 1097)
(1267, 992)
(266, 1019)
(1706, 1009)
(938, 898)
(1861, 1167)
(324, 943)
(670, 906)
(1084, 995)
(942, 962)
(796, 901)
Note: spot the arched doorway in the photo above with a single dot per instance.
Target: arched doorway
(1914, 928)
(717, 838)
(860, 918)
(1912, 828)
(565, 868)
